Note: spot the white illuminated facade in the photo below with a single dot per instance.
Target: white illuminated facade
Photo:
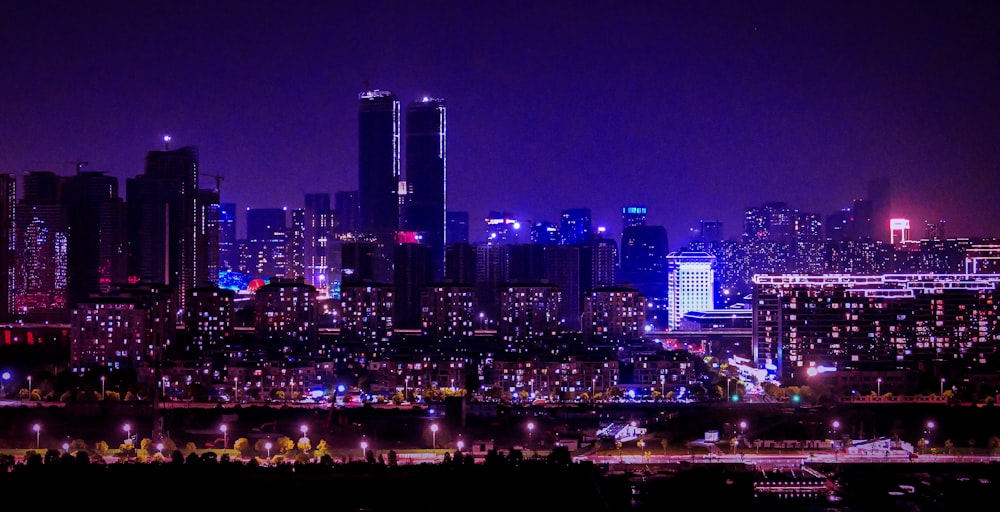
(690, 284)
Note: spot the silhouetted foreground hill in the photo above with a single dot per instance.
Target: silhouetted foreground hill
(344, 487)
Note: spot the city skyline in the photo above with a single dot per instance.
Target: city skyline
(695, 111)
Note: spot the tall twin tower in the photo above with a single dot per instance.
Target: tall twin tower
(390, 202)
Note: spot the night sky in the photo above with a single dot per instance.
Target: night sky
(696, 109)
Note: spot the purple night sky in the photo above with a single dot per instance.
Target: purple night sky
(694, 109)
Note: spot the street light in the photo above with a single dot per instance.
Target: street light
(4, 377)
(878, 384)
(65, 447)
(102, 387)
(225, 436)
(236, 389)
(460, 444)
(38, 435)
(128, 433)
(29, 387)
(159, 448)
(434, 431)
(364, 450)
(267, 446)
(942, 387)
(531, 426)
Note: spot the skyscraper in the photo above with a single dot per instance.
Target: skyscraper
(267, 238)
(97, 246)
(574, 227)
(345, 206)
(8, 201)
(319, 230)
(426, 176)
(457, 230)
(227, 236)
(40, 287)
(378, 162)
(163, 222)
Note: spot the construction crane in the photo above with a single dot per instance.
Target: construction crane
(218, 180)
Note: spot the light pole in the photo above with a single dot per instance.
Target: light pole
(65, 447)
(304, 428)
(236, 389)
(743, 426)
(4, 377)
(38, 435)
(159, 448)
(102, 387)
(434, 431)
(128, 433)
(225, 436)
(878, 384)
(531, 426)
(267, 446)
(460, 444)
(29, 387)
(364, 450)
(942, 387)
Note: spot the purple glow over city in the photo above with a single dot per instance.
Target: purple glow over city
(694, 109)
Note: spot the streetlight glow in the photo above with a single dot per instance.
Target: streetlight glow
(434, 431)
(128, 433)
(267, 446)
(38, 435)
(364, 449)
(225, 436)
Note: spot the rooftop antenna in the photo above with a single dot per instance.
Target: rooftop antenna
(166, 142)
(79, 166)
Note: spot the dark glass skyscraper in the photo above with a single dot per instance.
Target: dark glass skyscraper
(574, 227)
(378, 162)
(426, 176)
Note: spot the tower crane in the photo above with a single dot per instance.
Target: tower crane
(218, 180)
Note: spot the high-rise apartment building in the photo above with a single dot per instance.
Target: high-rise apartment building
(457, 230)
(319, 233)
(8, 203)
(425, 210)
(97, 247)
(40, 284)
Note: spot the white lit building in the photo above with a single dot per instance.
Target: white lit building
(690, 284)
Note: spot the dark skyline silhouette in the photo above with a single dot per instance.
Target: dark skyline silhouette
(695, 109)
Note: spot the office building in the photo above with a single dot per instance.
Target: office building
(379, 163)
(425, 209)
(8, 203)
